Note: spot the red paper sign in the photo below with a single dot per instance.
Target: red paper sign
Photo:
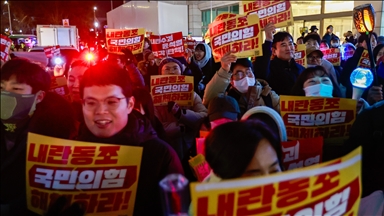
(118, 39)
(364, 60)
(169, 45)
(190, 43)
(302, 153)
(5, 45)
(333, 55)
(52, 51)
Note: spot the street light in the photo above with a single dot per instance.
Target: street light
(9, 17)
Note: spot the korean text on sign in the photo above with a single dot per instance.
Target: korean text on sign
(169, 45)
(301, 55)
(275, 11)
(52, 51)
(165, 88)
(5, 46)
(118, 39)
(307, 117)
(364, 60)
(99, 176)
(240, 34)
(333, 55)
(331, 188)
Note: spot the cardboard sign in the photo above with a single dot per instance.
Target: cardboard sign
(59, 86)
(65, 22)
(331, 188)
(169, 45)
(5, 46)
(200, 167)
(99, 176)
(308, 117)
(118, 39)
(165, 88)
(333, 55)
(241, 34)
(52, 51)
(277, 12)
(364, 60)
(302, 153)
(301, 55)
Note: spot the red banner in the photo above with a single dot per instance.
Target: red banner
(333, 55)
(190, 43)
(5, 46)
(302, 153)
(118, 39)
(169, 45)
(52, 51)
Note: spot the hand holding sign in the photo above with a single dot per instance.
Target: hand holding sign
(269, 29)
(227, 59)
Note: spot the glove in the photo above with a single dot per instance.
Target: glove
(174, 109)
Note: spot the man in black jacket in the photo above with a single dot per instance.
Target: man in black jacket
(26, 106)
(281, 72)
(107, 105)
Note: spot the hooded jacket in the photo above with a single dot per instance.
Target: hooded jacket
(53, 117)
(158, 160)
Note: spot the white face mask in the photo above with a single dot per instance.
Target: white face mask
(319, 90)
(243, 84)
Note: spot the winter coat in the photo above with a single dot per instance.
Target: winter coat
(158, 160)
(183, 131)
(257, 95)
(53, 117)
(328, 37)
(135, 76)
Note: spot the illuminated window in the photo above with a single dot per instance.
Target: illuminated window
(338, 6)
(340, 25)
(301, 8)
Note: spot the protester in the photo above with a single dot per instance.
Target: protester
(181, 123)
(245, 89)
(324, 45)
(300, 40)
(346, 47)
(107, 107)
(26, 106)
(313, 30)
(259, 153)
(335, 42)
(148, 67)
(380, 40)
(378, 52)
(329, 35)
(350, 38)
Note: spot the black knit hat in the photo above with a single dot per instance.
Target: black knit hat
(315, 37)
(223, 107)
(243, 61)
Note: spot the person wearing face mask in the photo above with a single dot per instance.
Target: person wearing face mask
(335, 42)
(247, 91)
(26, 106)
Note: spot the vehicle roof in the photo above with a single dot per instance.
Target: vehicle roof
(61, 47)
(21, 35)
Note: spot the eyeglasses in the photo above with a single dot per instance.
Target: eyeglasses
(240, 74)
(318, 58)
(112, 103)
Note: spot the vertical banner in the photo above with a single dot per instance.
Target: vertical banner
(98, 176)
(331, 188)
(165, 88)
(118, 39)
(302, 153)
(5, 46)
(168, 45)
(52, 51)
(308, 117)
(301, 55)
(333, 55)
(241, 34)
(278, 12)
(60, 87)
(364, 60)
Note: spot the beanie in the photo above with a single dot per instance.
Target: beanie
(223, 107)
(167, 60)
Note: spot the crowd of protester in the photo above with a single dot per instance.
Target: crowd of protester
(237, 100)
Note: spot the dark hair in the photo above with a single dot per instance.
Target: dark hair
(200, 47)
(376, 51)
(143, 97)
(280, 36)
(106, 73)
(149, 42)
(335, 39)
(375, 35)
(362, 38)
(79, 63)
(27, 72)
(300, 38)
(298, 90)
(230, 147)
(329, 26)
(315, 37)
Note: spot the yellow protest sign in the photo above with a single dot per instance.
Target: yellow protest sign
(241, 34)
(277, 12)
(331, 188)
(301, 55)
(177, 88)
(306, 117)
(99, 176)
(118, 39)
(364, 60)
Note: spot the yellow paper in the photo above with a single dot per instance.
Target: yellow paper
(118, 39)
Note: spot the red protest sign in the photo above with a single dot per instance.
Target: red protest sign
(364, 60)
(190, 43)
(5, 46)
(52, 51)
(278, 12)
(333, 55)
(169, 45)
(118, 39)
(302, 153)
(300, 55)
(165, 88)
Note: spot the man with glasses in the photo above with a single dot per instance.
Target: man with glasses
(107, 98)
(247, 91)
